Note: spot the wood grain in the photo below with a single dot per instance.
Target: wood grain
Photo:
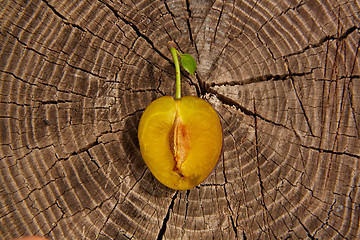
(75, 77)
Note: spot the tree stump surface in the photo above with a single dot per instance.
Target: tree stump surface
(282, 75)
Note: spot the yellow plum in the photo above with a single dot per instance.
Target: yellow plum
(180, 140)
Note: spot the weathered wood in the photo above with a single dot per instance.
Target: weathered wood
(77, 75)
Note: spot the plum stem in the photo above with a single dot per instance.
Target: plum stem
(174, 54)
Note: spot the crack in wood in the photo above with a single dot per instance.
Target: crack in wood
(230, 102)
(262, 78)
(135, 28)
(25, 45)
(298, 98)
(57, 13)
(321, 150)
(171, 14)
(54, 102)
(218, 21)
(266, 211)
(351, 94)
(324, 40)
(118, 202)
(162, 231)
(188, 23)
(233, 223)
(86, 148)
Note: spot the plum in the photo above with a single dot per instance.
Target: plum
(180, 139)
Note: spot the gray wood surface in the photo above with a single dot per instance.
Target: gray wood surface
(75, 77)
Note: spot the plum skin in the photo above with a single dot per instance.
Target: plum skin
(180, 140)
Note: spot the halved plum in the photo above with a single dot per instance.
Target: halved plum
(180, 140)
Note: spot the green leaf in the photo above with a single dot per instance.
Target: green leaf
(188, 63)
